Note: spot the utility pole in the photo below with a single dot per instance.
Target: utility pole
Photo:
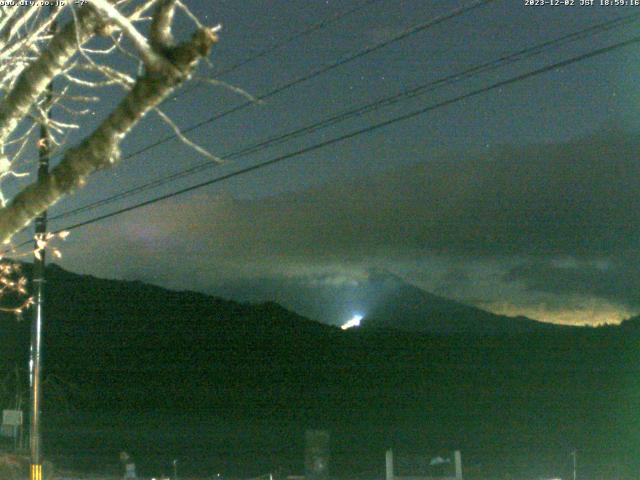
(574, 454)
(35, 361)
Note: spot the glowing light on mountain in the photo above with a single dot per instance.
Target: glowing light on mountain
(354, 322)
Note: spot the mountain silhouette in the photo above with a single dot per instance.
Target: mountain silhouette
(412, 309)
(385, 301)
(231, 387)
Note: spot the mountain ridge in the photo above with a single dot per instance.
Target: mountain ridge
(163, 373)
(383, 300)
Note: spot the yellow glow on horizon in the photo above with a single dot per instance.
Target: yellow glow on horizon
(593, 314)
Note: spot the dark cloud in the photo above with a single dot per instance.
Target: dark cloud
(615, 281)
(517, 210)
(578, 199)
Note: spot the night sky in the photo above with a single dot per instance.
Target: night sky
(522, 200)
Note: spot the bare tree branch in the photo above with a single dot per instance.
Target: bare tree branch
(33, 81)
(101, 148)
(184, 139)
(161, 36)
(150, 58)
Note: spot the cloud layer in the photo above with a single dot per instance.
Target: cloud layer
(555, 221)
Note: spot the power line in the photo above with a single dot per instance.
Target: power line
(380, 103)
(321, 71)
(404, 34)
(276, 46)
(295, 36)
(362, 131)
(313, 28)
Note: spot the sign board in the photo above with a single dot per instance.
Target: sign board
(12, 418)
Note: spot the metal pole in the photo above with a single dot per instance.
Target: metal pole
(35, 363)
(458, 464)
(389, 465)
(574, 454)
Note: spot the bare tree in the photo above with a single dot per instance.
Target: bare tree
(77, 55)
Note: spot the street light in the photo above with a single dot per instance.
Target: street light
(354, 322)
